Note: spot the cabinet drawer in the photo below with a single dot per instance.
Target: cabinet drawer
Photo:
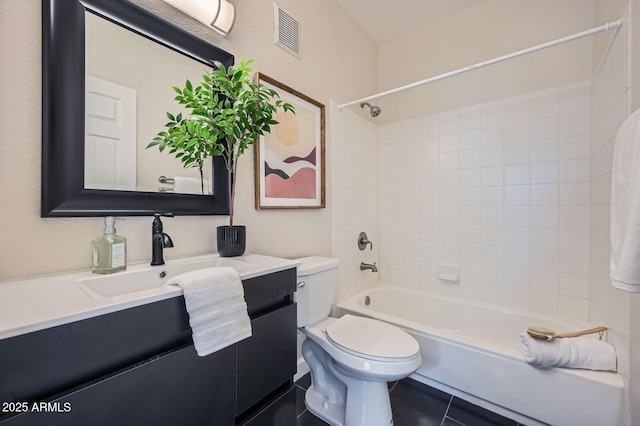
(268, 292)
(177, 388)
(267, 359)
(38, 365)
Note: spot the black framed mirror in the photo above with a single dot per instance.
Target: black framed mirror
(63, 113)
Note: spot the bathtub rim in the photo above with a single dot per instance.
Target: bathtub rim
(351, 305)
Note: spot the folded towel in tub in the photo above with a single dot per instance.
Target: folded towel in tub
(575, 352)
(214, 298)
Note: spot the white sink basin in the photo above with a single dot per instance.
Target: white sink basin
(142, 278)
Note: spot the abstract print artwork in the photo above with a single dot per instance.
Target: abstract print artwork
(290, 160)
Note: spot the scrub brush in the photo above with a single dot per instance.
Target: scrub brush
(547, 334)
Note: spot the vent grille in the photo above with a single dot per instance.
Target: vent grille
(286, 31)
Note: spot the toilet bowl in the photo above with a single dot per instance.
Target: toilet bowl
(351, 358)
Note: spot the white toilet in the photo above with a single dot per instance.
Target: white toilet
(351, 358)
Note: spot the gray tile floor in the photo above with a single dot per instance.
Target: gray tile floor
(416, 404)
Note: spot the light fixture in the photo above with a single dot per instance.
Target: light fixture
(218, 14)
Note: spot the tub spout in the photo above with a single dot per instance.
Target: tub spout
(368, 266)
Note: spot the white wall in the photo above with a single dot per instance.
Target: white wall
(330, 68)
(490, 29)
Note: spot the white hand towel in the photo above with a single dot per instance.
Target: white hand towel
(575, 352)
(214, 298)
(625, 206)
(190, 185)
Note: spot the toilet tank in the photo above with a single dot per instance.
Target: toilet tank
(316, 293)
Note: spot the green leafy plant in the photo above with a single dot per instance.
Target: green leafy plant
(228, 112)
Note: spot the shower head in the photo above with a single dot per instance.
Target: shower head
(373, 110)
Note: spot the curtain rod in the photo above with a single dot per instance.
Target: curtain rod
(605, 27)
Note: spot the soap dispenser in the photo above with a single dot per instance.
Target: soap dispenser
(109, 250)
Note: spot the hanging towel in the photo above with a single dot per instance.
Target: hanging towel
(214, 298)
(625, 206)
(190, 185)
(574, 352)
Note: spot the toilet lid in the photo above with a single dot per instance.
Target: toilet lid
(372, 339)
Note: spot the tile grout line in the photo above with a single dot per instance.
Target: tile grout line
(305, 408)
(447, 410)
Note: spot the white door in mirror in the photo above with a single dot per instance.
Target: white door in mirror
(110, 136)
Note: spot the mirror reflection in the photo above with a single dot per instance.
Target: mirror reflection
(129, 81)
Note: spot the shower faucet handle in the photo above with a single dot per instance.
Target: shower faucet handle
(363, 241)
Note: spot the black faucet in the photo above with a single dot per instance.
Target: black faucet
(159, 240)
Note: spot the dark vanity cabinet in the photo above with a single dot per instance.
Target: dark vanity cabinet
(138, 366)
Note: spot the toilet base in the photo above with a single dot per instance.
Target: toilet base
(341, 398)
(361, 412)
(330, 412)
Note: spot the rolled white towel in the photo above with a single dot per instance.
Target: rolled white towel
(575, 352)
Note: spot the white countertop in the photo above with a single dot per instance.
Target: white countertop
(34, 304)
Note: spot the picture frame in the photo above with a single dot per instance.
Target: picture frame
(290, 166)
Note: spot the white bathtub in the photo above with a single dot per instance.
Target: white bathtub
(471, 350)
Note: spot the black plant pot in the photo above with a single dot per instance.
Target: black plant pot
(232, 240)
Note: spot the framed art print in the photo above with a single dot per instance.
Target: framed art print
(290, 160)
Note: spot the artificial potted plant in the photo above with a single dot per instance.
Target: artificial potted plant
(228, 112)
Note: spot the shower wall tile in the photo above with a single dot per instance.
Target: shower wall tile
(516, 133)
(517, 153)
(469, 119)
(492, 114)
(352, 146)
(469, 139)
(571, 147)
(572, 307)
(545, 150)
(574, 98)
(517, 109)
(577, 170)
(610, 100)
(504, 191)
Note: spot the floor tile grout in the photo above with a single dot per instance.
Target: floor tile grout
(447, 410)
(401, 389)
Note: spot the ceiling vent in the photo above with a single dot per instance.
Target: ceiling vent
(286, 31)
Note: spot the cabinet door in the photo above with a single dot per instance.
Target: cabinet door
(281, 412)
(177, 388)
(267, 359)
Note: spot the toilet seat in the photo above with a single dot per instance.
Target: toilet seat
(372, 339)
(362, 365)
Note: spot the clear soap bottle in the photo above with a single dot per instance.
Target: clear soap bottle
(109, 250)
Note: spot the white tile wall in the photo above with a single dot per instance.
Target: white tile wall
(354, 197)
(501, 188)
(610, 107)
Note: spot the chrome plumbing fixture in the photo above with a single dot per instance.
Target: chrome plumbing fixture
(373, 109)
(368, 266)
(363, 240)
